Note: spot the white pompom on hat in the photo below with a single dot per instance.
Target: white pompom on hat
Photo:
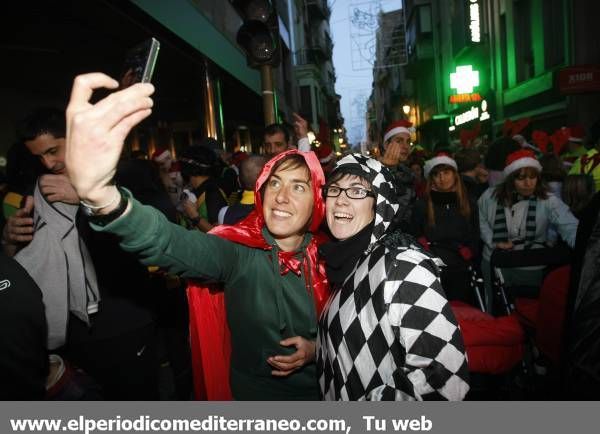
(160, 155)
(401, 126)
(519, 160)
(576, 134)
(438, 160)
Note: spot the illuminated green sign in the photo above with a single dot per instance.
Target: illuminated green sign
(474, 113)
(474, 25)
(464, 79)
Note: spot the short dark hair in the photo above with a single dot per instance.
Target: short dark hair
(577, 191)
(198, 161)
(289, 162)
(277, 128)
(495, 159)
(250, 170)
(45, 120)
(467, 159)
(339, 174)
(552, 168)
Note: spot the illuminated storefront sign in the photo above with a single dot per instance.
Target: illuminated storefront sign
(474, 113)
(468, 116)
(464, 79)
(462, 98)
(475, 25)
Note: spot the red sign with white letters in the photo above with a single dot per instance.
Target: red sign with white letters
(579, 79)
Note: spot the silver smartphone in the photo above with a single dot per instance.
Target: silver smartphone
(139, 63)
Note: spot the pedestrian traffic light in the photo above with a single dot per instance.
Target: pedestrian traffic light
(259, 34)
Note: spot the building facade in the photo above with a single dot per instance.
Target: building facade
(204, 86)
(315, 75)
(474, 64)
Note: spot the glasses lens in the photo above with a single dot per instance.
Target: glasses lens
(332, 191)
(356, 193)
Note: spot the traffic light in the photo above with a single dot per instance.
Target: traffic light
(259, 34)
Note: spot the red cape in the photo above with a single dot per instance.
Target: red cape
(209, 333)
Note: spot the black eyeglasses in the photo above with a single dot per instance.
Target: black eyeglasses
(351, 192)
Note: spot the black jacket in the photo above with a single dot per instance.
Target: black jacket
(23, 356)
(582, 361)
(451, 231)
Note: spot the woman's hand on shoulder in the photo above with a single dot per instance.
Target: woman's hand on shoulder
(286, 365)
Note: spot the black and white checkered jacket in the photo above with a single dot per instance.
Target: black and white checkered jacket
(388, 333)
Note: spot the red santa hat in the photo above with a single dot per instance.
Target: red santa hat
(441, 158)
(160, 155)
(576, 134)
(325, 153)
(520, 159)
(401, 126)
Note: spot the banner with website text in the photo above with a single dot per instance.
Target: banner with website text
(308, 417)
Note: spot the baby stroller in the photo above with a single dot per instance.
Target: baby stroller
(495, 345)
(540, 310)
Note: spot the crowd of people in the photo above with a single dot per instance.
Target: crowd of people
(289, 275)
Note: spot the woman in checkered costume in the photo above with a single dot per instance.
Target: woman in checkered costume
(387, 332)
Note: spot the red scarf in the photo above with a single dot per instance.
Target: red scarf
(209, 332)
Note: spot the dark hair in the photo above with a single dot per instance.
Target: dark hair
(46, 120)
(495, 158)
(577, 191)
(552, 168)
(198, 161)
(22, 169)
(250, 170)
(290, 162)
(462, 196)
(277, 128)
(339, 174)
(441, 146)
(505, 191)
(138, 154)
(467, 159)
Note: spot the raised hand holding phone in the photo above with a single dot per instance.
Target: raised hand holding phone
(96, 132)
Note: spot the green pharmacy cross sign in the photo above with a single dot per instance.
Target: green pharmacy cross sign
(464, 79)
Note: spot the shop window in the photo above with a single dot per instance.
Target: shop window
(523, 42)
(554, 33)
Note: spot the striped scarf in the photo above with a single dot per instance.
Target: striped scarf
(501, 229)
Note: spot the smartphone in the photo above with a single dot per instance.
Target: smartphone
(139, 63)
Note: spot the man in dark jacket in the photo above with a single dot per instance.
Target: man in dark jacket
(395, 151)
(118, 347)
(23, 359)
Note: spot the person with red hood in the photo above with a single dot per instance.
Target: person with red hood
(274, 285)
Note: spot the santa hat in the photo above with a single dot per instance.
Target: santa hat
(401, 126)
(238, 157)
(325, 153)
(438, 160)
(160, 155)
(520, 159)
(576, 134)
